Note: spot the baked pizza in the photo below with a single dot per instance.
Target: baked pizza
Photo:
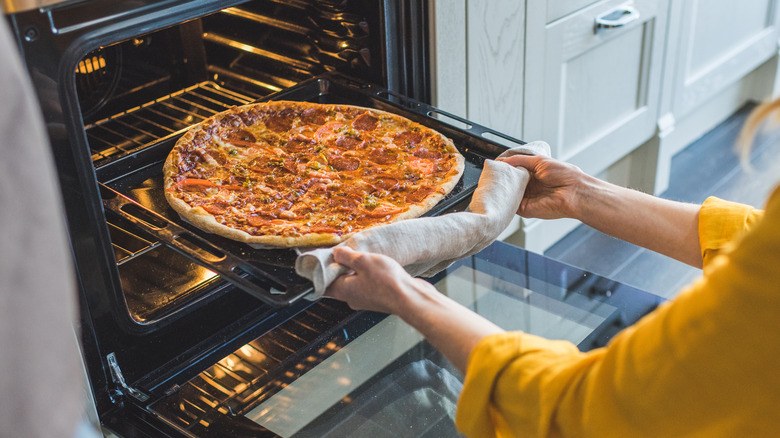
(297, 174)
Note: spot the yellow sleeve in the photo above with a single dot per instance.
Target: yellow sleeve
(721, 222)
(703, 365)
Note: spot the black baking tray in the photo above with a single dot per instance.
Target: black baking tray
(132, 190)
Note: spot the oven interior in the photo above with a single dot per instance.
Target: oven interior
(184, 305)
(138, 95)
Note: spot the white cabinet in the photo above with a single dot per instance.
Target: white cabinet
(724, 53)
(591, 93)
(618, 102)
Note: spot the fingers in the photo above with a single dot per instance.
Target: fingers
(338, 288)
(520, 160)
(346, 256)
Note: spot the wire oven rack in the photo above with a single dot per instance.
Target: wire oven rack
(158, 120)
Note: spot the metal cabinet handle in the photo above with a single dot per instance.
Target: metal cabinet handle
(615, 18)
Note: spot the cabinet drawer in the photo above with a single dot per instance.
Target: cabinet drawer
(599, 90)
(561, 8)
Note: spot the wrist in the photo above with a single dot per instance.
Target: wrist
(584, 194)
(417, 297)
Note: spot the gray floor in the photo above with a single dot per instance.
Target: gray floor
(707, 167)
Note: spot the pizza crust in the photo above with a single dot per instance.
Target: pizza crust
(201, 219)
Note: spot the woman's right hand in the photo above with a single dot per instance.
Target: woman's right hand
(376, 282)
(554, 189)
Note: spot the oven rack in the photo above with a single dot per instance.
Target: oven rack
(259, 369)
(249, 73)
(163, 118)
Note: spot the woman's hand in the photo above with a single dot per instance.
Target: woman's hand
(376, 283)
(554, 189)
(380, 284)
(562, 190)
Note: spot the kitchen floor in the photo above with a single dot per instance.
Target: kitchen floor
(707, 167)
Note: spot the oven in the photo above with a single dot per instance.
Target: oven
(188, 334)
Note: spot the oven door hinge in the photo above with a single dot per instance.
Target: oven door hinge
(121, 385)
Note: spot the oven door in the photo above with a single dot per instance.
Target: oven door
(376, 376)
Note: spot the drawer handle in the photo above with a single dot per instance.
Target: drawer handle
(616, 18)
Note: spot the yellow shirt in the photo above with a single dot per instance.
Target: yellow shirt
(704, 365)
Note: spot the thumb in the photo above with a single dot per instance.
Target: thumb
(346, 256)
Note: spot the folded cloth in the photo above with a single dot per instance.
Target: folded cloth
(427, 245)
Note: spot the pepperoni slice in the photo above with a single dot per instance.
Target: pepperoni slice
(219, 157)
(328, 131)
(199, 140)
(300, 144)
(419, 194)
(385, 182)
(425, 167)
(343, 203)
(316, 116)
(279, 122)
(408, 138)
(216, 207)
(349, 143)
(249, 117)
(291, 165)
(426, 154)
(382, 211)
(260, 221)
(345, 164)
(383, 156)
(365, 122)
(443, 167)
(185, 165)
(241, 135)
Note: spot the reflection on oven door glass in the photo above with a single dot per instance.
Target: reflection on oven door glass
(390, 382)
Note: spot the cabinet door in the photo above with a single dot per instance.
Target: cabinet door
(593, 94)
(478, 61)
(494, 47)
(719, 42)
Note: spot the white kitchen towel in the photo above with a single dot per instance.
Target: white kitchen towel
(427, 245)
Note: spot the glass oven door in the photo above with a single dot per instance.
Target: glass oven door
(389, 382)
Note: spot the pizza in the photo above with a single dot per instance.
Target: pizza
(300, 174)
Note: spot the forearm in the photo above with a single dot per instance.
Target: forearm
(450, 327)
(667, 227)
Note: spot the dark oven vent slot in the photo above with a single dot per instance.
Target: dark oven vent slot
(160, 119)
